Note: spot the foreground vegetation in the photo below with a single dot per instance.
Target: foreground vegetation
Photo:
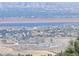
(72, 50)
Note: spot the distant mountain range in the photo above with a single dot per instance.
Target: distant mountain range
(39, 9)
(63, 24)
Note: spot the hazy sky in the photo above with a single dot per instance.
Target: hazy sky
(39, 10)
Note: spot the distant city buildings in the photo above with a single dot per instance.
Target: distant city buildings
(39, 36)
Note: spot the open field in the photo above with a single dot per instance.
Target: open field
(10, 49)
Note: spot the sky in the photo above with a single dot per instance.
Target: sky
(39, 9)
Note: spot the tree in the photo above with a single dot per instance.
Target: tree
(49, 54)
(28, 55)
(9, 55)
(1, 54)
(19, 54)
(72, 50)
